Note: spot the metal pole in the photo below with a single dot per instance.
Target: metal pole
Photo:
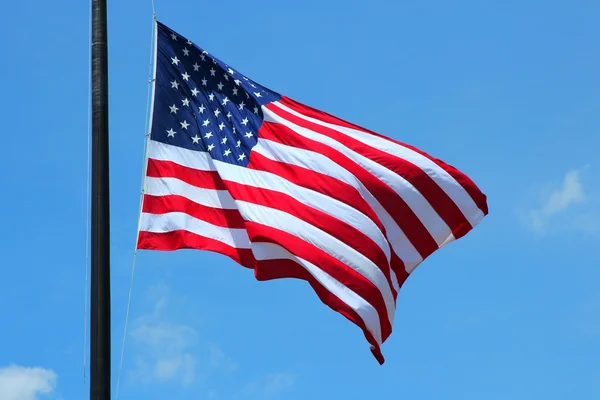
(100, 224)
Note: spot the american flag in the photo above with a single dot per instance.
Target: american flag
(290, 191)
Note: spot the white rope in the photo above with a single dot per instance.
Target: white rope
(125, 328)
(149, 104)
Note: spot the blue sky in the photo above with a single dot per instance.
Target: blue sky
(506, 91)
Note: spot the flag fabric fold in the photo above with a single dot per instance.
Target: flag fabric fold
(291, 191)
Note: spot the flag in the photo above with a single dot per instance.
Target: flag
(291, 191)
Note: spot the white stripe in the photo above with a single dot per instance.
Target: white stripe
(222, 199)
(394, 279)
(444, 180)
(206, 197)
(188, 158)
(267, 180)
(315, 199)
(317, 162)
(437, 227)
(270, 251)
(259, 179)
(174, 221)
(322, 240)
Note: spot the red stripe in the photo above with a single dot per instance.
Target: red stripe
(174, 203)
(429, 189)
(401, 213)
(470, 187)
(463, 180)
(313, 180)
(275, 269)
(334, 227)
(335, 268)
(195, 177)
(181, 239)
(322, 183)
(399, 269)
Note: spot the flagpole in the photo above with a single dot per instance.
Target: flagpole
(100, 223)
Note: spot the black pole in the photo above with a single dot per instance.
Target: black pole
(100, 235)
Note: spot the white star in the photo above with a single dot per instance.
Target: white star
(238, 143)
(241, 157)
(217, 112)
(242, 105)
(196, 139)
(257, 94)
(220, 85)
(201, 108)
(173, 109)
(247, 95)
(202, 57)
(244, 78)
(230, 71)
(224, 140)
(237, 82)
(185, 102)
(221, 126)
(225, 100)
(189, 42)
(211, 96)
(204, 81)
(195, 92)
(234, 129)
(214, 60)
(255, 110)
(186, 52)
(206, 122)
(208, 135)
(226, 77)
(171, 133)
(212, 72)
(235, 90)
(184, 124)
(248, 134)
(227, 152)
(210, 147)
(253, 85)
(185, 76)
(173, 36)
(196, 67)
(245, 121)
(175, 60)
(174, 85)
(229, 115)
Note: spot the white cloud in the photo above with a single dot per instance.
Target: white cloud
(219, 360)
(588, 222)
(557, 200)
(22, 383)
(278, 383)
(165, 349)
(271, 385)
